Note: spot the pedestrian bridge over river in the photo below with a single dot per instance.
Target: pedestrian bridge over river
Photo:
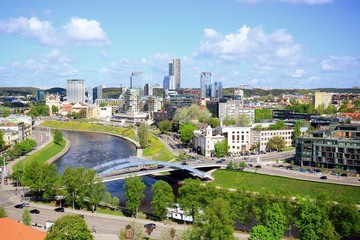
(132, 166)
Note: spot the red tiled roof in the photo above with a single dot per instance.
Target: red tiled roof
(13, 230)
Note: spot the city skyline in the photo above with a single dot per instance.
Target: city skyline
(275, 43)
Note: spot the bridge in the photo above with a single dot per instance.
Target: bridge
(112, 170)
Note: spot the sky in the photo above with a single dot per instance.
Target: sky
(261, 43)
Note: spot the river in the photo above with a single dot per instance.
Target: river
(91, 149)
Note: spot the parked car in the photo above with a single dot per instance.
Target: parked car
(35, 211)
(219, 161)
(258, 166)
(59, 209)
(323, 177)
(150, 225)
(223, 160)
(160, 166)
(19, 205)
(201, 161)
(343, 175)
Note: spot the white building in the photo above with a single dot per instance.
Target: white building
(238, 138)
(204, 141)
(53, 100)
(233, 108)
(75, 90)
(262, 137)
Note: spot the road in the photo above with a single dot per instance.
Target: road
(106, 226)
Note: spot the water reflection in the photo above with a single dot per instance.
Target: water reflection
(91, 149)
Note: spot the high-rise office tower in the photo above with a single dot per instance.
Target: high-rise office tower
(97, 92)
(169, 83)
(148, 89)
(40, 95)
(218, 90)
(136, 80)
(75, 90)
(205, 84)
(175, 71)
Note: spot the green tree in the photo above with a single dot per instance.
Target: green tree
(39, 110)
(54, 109)
(191, 113)
(74, 184)
(191, 197)
(165, 126)
(228, 121)
(115, 202)
(221, 148)
(258, 128)
(357, 103)
(260, 232)
(275, 143)
(214, 122)
(134, 193)
(26, 218)
(243, 120)
(69, 227)
(297, 129)
(279, 125)
(162, 199)
(275, 221)
(310, 218)
(262, 114)
(142, 133)
(186, 132)
(346, 219)
(217, 221)
(2, 141)
(94, 188)
(3, 212)
(58, 137)
(107, 199)
(242, 165)
(50, 177)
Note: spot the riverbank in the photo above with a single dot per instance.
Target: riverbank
(156, 150)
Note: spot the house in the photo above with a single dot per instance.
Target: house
(14, 230)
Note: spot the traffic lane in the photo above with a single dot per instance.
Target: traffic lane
(275, 171)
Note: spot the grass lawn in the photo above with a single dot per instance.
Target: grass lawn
(292, 187)
(156, 149)
(109, 211)
(42, 155)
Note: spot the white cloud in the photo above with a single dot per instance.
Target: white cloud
(82, 30)
(310, 2)
(78, 31)
(249, 44)
(343, 63)
(46, 69)
(42, 31)
(298, 73)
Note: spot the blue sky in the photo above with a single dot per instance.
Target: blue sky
(262, 43)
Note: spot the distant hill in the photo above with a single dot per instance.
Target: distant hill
(277, 92)
(18, 91)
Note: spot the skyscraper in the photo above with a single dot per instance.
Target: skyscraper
(136, 80)
(205, 84)
(97, 92)
(148, 89)
(75, 90)
(175, 71)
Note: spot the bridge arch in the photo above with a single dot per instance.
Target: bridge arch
(118, 164)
